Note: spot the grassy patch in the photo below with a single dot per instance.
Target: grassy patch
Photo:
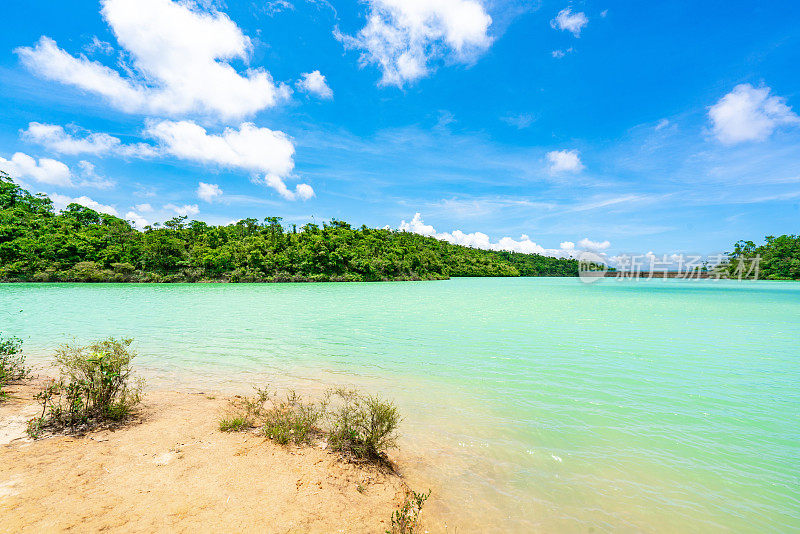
(284, 420)
(360, 427)
(12, 362)
(95, 386)
(234, 424)
(292, 420)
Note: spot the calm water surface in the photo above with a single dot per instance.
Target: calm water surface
(530, 403)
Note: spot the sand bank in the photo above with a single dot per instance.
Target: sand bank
(172, 470)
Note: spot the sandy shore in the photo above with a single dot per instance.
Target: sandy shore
(172, 470)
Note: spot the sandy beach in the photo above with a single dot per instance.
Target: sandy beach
(173, 470)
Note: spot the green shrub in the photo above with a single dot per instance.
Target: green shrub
(234, 424)
(292, 420)
(406, 518)
(95, 386)
(361, 426)
(284, 421)
(12, 362)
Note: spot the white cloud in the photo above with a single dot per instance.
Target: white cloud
(301, 191)
(208, 192)
(749, 114)
(46, 171)
(55, 138)
(180, 58)
(314, 83)
(91, 178)
(62, 201)
(663, 123)
(138, 221)
(185, 210)
(564, 161)
(593, 246)
(273, 7)
(480, 240)
(558, 54)
(144, 208)
(255, 149)
(99, 46)
(403, 36)
(569, 21)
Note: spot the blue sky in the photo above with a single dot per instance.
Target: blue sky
(548, 127)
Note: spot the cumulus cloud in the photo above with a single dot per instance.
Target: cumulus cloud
(749, 114)
(480, 240)
(402, 37)
(564, 161)
(314, 83)
(57, 139)
(266, 152)
(208, 192)
(137, 220)
(144, 208)
(62, 201)
(185, 210)
(180, 62)
(46, 170)
(568, 21)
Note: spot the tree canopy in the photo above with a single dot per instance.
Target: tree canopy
(80, 244)
(778, 259)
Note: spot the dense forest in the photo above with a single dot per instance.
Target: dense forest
(779, 259)
(81, 245)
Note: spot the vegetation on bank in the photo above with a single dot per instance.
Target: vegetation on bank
(405, 519)
(81, 245)
(778, 259)
(359, 427)
(283, 420)
(95, 387)
(12, 363)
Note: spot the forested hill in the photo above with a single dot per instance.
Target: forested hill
(80, 244)
(778, 259)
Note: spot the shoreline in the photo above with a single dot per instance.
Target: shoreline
(172, 469)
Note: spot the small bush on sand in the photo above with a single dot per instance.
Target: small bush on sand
(95, 386)
(244, 412)
(292, 420)
(288, 420)
(406, 518)
(362, 427)
(12, 362)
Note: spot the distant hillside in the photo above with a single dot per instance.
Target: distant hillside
(82, 245)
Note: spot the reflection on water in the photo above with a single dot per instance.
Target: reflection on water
(663, 405)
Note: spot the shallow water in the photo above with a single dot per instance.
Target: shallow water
(530, 403)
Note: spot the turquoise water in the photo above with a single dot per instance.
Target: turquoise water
(530, 403)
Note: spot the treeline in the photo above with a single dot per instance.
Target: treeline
(81, 245)
(777, 259)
